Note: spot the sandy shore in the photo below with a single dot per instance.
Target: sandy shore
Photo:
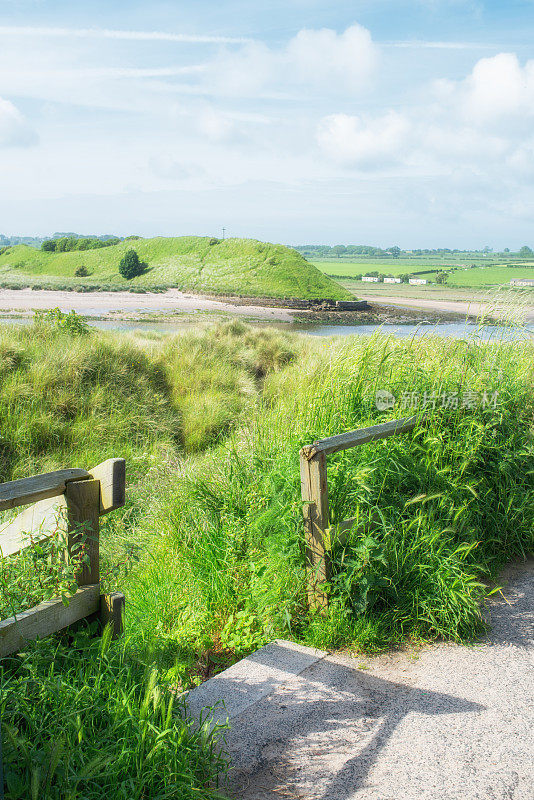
(95, 304)
(471, 308)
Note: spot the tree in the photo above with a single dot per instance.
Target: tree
(442, 277)
(49, 245)
(395, 251)
(526, 252)
(130, 266)
(63, 244)
(339, 249)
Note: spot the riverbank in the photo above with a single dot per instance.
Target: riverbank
(174, 304)
(467, 308)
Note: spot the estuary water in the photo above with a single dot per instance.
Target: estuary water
(456, 330)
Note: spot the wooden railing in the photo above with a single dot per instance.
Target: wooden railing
(314, 487)
(72, 501)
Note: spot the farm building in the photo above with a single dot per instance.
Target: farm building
(418, 281)
(392, 280)
(370, 279)
(522, 282)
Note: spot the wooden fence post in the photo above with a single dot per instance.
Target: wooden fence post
(316, 522)
(83, 510)
(111, 612)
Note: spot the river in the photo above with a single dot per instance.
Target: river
(456, 330)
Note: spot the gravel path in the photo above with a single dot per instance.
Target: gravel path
(448, 723)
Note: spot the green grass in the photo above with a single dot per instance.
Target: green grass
(77, 400)
(489, 276)
(244, 267)
(227, 561)
(79, 723)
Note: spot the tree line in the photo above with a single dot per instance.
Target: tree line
(67, 243)
(338, 250)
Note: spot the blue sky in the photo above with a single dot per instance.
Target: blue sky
(381, 122)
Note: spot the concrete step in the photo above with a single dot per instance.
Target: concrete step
(447, 722)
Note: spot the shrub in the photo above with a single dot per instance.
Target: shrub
(81, 272)
(130, 266)
(55, 318)
(213, 241)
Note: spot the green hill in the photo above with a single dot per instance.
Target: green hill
(244, 267)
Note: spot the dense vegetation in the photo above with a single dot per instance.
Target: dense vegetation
(242, 267)
(67, 243)
(212, 541)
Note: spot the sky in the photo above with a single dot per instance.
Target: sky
(405, 123)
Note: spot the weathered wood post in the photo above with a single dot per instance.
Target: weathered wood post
(314, 486)
(86, 501)
(83, 512)
(70, 501)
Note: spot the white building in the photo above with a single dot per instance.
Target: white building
(522, 282)
(418, 281)
(392, 280)
(370, 279)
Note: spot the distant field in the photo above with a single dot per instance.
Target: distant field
(350, 268)
(243, 267)
(490, 275)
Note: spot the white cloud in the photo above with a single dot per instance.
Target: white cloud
(368, 143)
(14, 129)
(106, 33)
(318, 59)
(481, 125)
(323, 56)
(419, 44)
(498, 87)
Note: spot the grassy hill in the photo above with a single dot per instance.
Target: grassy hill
(243, 267)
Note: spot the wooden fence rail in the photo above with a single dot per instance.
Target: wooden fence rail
(72, 501)
(314, 487)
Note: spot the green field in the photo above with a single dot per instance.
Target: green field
(243, 267)
(480, 276)
(397, 266)
(489, 276)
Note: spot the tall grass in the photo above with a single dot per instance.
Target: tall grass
(68, 400)
(79, 723)
(455, 501)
